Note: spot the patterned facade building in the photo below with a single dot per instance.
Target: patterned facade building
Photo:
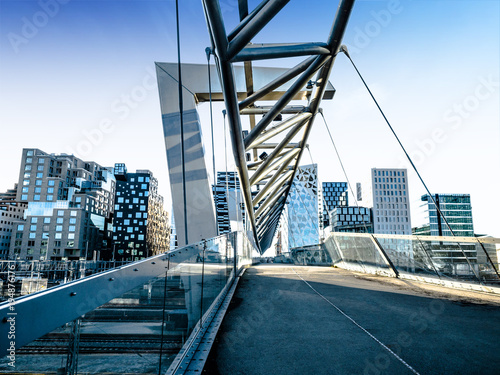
(141, 223)
(303, 208)
(229, 208)
(334, 195)
(351, 219)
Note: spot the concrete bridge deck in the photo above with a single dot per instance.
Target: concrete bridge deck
(288, 319)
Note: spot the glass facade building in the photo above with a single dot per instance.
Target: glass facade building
(457, 210)
(303, 213)
(69, 208)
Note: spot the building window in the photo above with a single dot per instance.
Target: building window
(32, 235)
(50, 190)
(36, 197)
(144, 186)
(70, 244)
(73, 213)
(72, 221)
(119, 214)
(24, 197)
(40, 168)
(59, 228)
(71, 236)
(142, 208)
(130, 230)
(72, 228)
(27, 168)
(140, 237)
(51, 182)
(50, 197)
(58, 236)
(26, 182)
(38, 182)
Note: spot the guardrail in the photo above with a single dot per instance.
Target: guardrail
(146, 309)
(464, 259)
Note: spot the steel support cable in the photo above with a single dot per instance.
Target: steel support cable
(344, 50)
(225, 163)
(320, 111)
(209, 52)
(181, 115)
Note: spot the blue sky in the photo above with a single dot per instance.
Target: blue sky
(433, 65)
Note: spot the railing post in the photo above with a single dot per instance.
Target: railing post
(385, 256)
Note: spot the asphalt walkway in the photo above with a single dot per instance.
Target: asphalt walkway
(313, 320)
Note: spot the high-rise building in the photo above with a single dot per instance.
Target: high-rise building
(390, 201)
(70, 206)
(230, 211)
(303, 215)
(457, 210)
(351, 219)
(334, 195)
(10, 210)
(140, 227)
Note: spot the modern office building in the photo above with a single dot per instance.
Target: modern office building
(334, 195)
(303, 212)
(69, 208)
(390, 201)
(351, 219)
(10, 210)
(229, 208)
(456, 209)
(140, 227)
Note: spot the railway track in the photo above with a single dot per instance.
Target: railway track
(99, 345)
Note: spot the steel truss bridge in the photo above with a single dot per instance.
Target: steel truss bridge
(204, 273)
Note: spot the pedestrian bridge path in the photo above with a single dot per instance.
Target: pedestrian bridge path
(289, 319)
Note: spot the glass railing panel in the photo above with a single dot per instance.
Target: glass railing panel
(133, 332)
(356, 251)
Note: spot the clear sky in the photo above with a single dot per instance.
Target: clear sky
(68, 66)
